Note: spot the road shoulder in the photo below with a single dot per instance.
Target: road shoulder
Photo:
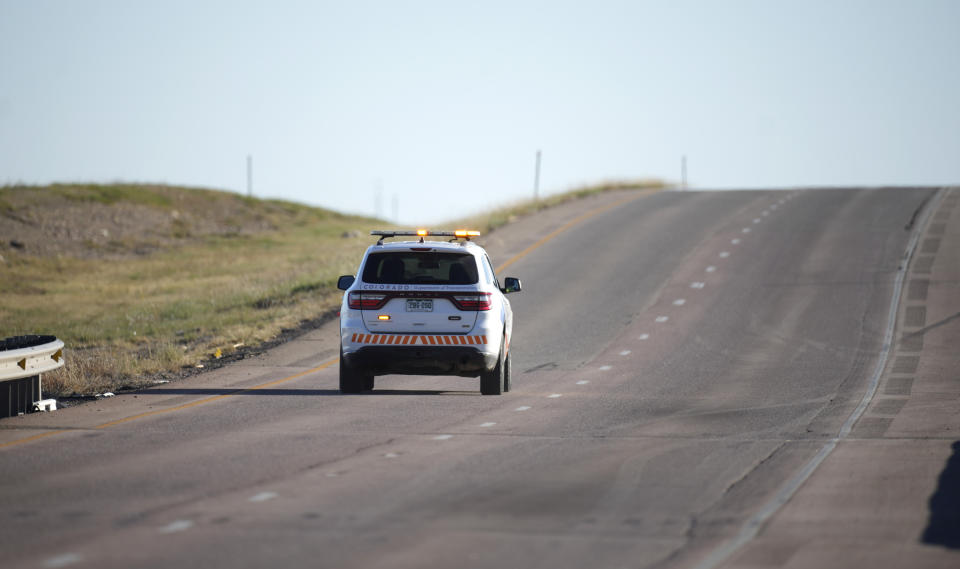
(889, 494)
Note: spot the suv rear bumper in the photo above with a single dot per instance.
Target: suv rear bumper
(421, 360)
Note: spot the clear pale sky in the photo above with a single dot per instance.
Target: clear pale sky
(444, 104)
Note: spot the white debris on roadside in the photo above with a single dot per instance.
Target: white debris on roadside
(161, 381)
(107, 394)
(45, 405)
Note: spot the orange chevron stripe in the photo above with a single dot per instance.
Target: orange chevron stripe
(404, 340)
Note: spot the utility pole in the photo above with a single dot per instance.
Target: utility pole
(249, 176)
(536, 179)
(683, 172)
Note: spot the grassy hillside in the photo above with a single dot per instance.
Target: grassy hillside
(140, 280)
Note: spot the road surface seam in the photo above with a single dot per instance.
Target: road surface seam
(752, 526)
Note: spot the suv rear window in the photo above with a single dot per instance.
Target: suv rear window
(411, 267)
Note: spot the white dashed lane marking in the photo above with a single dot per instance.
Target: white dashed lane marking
(735, 241)
(177, 526)
(724, 254)
(643, 336)
(583, 382)
(62, 560)
(625, 353)
(711, 268)
(679, 302)
(391, 455)
(605, 368)
(765, 213)
(443, 437)
(698, 284)
(746, 230)
(488, 424)
(523, 408)
(756, 220)
(263, 497)
(554, 395)
(662, 319)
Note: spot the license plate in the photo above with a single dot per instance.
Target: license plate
(418, 305)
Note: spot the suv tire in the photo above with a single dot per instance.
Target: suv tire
(507, 373)
(352, 381)
(492, 382)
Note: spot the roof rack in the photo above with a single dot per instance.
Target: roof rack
(465, 234)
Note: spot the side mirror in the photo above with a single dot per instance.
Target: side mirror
(345, 282)
(511, 284)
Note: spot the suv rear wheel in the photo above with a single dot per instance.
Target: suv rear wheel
(351, 380)
(507, 373)
(496, 381)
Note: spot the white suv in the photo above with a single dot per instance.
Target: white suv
(425, 308)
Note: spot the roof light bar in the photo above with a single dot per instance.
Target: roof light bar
(421, 233)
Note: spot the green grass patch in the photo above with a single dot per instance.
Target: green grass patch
(114, 193)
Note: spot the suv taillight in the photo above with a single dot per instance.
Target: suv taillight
(366, 300)
(472, 301)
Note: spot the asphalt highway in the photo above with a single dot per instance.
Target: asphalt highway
(688, 367)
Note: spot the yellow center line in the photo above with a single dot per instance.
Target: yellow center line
(567, 226)
(178, 407)
(32, 438)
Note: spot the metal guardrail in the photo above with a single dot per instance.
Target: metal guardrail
(22, 361)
